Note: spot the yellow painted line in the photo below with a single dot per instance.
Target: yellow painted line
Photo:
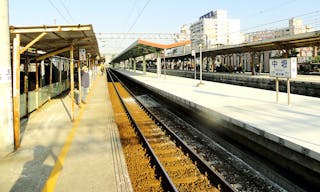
(52, 180)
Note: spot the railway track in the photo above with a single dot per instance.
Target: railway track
(157, 159)
(243, 169)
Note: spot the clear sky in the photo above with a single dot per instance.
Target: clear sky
(159, 16)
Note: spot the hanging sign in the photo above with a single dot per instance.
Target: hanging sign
(82, 54)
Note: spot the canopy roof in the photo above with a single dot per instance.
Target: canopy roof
(142, 47)
(54, 38)
(288, 42)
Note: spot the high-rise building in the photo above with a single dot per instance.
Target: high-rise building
(214, 29)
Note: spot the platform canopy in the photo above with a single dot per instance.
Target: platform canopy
(57, 39)
(142, 47)
(309, 39)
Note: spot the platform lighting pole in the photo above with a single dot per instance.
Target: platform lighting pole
(6, 109)
(200, 62)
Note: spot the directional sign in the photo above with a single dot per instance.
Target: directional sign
(283, 68)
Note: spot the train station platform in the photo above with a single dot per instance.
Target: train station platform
(57, 154)
(294, 126)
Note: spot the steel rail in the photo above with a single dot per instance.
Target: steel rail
(161, 172)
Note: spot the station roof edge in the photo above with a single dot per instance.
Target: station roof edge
(142, 47)
(58, 37)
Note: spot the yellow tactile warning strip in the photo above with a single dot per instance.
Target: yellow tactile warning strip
(52, 180)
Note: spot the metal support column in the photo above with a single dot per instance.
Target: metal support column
(134, 65)
(158, 65)
(72, 81)
(79, 83)
(144, 65)
(50, 80)
(37, 86)
(213, 60)
(252, 63)
(26, 82)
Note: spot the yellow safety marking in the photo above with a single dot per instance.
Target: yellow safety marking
(52, 180)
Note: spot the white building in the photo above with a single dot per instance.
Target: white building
(295, 26)
(214, 29)
(184, 32)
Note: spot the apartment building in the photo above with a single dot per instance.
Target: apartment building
(215, 29)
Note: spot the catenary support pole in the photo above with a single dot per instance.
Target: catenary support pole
(6, 111)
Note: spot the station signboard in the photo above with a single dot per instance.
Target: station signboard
(283, 68)
(82, 54)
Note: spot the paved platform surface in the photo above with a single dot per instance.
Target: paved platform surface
(58, 155)
(297, 124)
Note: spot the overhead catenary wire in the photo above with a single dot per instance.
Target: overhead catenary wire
(139, 15)
(271, 8)
(130, 12)
(137, 18)
(67, 11)
(280, 20)
(64, 18)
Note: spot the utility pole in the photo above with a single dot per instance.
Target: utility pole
(6, 104)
